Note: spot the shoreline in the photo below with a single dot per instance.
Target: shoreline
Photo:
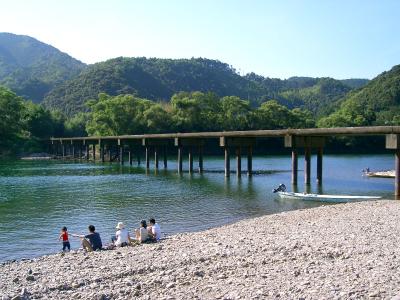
(338, 251)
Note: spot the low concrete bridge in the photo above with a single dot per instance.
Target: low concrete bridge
(306, 139)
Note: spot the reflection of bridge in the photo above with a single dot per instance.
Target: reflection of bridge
(307, 139)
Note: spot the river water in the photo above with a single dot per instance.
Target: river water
(37, 198)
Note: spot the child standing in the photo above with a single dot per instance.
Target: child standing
(64, 237)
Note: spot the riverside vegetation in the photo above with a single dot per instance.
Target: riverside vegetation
(140, 95)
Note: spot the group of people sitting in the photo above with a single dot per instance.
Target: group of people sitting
(92, 241)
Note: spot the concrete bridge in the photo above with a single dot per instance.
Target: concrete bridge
(99, 147)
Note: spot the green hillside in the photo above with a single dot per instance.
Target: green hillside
(319, 98)
(32, 68)
(40, 72)
(355, 83)
(378, 103)
(159, 79)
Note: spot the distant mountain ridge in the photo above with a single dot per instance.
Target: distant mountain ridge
(158, 79)
(32, 68)
(42, 73)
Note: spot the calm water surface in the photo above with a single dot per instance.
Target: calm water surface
(37, 198)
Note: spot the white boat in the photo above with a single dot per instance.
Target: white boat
(381, 174)
(325, 198)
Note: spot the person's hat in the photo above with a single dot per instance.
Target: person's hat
(120, 225)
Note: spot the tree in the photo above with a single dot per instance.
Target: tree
(38, 122)
(11, 107)
(235, 113)
(123, 114)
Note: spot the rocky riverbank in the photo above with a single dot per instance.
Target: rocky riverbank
(346, 251)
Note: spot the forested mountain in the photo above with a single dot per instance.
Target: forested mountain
(38, 71)
(320, 98)
(32, 68)
(158, 79)
(355, 83)
(378, 103)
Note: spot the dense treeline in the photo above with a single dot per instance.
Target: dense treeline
(188, 112)
(27, 125)
(24, 125)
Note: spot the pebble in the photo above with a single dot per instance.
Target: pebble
(346, 251)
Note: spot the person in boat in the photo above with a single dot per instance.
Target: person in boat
(154, 230)
(280, 188)
(91, 241)
(121, 238)
(141, 233)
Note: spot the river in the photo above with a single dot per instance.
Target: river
(37, 198)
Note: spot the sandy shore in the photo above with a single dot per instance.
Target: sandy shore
(346, 251)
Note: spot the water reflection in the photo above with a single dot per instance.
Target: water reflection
(38, 198)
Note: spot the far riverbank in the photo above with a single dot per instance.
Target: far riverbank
(346, 251)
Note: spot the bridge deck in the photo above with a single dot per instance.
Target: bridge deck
(336, 131)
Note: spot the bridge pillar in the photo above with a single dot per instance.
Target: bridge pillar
(180, 150)
(94, 152)
(250, 161)
(87, 151)
(109, 153)
(80, 151)
(147, 157)
(227, 162)
(237, 143)
(238, 162)
(63, 150)
(156, 160)
(319, 165)
(130, 156)
(190, 156)
(201, 159)
(101, 146)
(121, 151)
(190, 143)
(294, 166)
(393, 142)
(306, 142)
(121, 155)
(307, 165)
(165, 159)
(73, 149)
(157, 143)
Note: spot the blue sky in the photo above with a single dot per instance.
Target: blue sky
(340, 39)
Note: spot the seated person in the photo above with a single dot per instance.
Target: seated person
(154, 230)
(141, 233)
(91, 241)
(121, 238)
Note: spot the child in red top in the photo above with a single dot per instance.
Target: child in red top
(64, 237)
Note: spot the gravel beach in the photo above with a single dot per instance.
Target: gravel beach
(346, 251)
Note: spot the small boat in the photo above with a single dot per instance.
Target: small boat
(281, 190)
(381, 174)
(325, 198)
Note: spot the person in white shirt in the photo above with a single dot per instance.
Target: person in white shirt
(154, 230)
(121, 236)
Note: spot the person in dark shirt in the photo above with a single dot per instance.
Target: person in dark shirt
(91, 241)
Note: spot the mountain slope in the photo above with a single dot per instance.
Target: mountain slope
(319, 98)
(378, 103)
(159, 79)
(32, 68)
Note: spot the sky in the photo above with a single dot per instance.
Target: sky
(280, 39)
